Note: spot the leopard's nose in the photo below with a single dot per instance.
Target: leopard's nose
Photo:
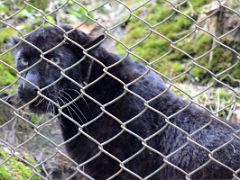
(29, 86)
(31, 82)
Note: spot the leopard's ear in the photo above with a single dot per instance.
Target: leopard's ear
(82, 38)
(95, 42)
(75, 36)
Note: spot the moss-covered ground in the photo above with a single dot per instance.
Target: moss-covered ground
(14, 169)
(169, 43)
(7, 75)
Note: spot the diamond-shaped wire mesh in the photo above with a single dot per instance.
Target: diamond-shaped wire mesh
(128, 90)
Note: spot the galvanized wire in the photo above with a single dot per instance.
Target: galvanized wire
(130, 12)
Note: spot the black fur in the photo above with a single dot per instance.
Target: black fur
(134, 116)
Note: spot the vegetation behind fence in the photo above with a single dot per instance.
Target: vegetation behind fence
(192, 45)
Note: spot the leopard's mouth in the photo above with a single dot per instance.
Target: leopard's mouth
(50, 99)
(39, 104)
(42, 106)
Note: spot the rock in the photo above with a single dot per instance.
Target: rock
(6, 112)
(221, 20)
(236, 115)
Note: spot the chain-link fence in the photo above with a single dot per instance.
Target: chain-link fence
(128, 90)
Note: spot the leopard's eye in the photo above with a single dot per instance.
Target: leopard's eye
(55, 60)
(23, 61)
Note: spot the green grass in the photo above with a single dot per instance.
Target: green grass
(15, 169)
(7, 76)
(175, 28)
